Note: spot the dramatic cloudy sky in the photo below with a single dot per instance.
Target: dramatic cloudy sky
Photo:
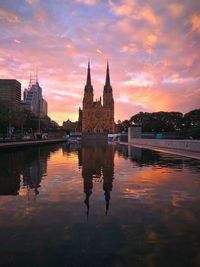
(153, 48)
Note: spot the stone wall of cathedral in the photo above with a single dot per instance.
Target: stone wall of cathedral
(97, 119)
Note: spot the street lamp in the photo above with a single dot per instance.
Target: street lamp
(39, 118)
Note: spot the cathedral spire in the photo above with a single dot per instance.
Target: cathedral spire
(88, 86)
(107, 86)
(107, 75)
(88, 82)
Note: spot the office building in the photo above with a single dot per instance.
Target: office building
(10, 92)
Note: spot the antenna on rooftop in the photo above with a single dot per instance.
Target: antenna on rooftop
(33, 79)
(29, 86)
(36, 74)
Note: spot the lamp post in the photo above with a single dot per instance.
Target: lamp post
(39, 118)
(9, 123)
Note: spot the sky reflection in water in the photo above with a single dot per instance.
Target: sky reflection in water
(98, 206)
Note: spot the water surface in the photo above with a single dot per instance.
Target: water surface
(98, 206)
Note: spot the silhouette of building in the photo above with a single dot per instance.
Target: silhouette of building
(10, 92)
(33, 99)
(96, 117)
(70, 126)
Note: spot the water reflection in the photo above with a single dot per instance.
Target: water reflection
(146, 157)
(31, 175)
(97, 163)
(22, 171)
(152, 200)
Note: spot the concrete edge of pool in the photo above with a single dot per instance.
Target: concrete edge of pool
(180, 152)
(183, 153)
(29, 143)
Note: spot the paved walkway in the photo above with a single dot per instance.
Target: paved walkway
(183, 153)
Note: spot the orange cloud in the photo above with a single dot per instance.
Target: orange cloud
(195, 21)
(8, 16)
(152, 39)
(133, 10)
(176, 9)
(147, 13)
(59, 117)
(125, 8)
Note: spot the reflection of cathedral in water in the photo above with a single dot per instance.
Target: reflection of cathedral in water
(97, 166)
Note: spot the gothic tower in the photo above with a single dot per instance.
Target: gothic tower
(88, 92)
(87, 102)
(98, 118)
(108, 102)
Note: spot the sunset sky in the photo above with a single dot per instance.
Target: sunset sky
(153, 48)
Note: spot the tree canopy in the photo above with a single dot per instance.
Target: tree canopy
(188, 124)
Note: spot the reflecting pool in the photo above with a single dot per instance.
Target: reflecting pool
(102, 205)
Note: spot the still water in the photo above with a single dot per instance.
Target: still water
(98, 206)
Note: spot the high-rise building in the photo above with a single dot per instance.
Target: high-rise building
(33, 99)
(43, 108)
(10, 92)
(95, 116)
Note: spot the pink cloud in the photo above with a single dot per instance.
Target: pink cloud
(87, 2)
(176, 9)
(32, 2)
(153, 55)
(147, 13)
(132, 9)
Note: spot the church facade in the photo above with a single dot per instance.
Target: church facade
(95, 116)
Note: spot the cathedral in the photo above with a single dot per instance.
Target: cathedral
(96, 117)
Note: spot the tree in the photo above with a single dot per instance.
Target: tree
(158, 121)
(192, 124)
(10, 117)
(4, 117)
(124, 126)
(192, 118)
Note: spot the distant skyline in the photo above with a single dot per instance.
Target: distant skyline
(152, 47)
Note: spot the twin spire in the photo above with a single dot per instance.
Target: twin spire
(88, 82)
(107, 87)
(107, 75)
